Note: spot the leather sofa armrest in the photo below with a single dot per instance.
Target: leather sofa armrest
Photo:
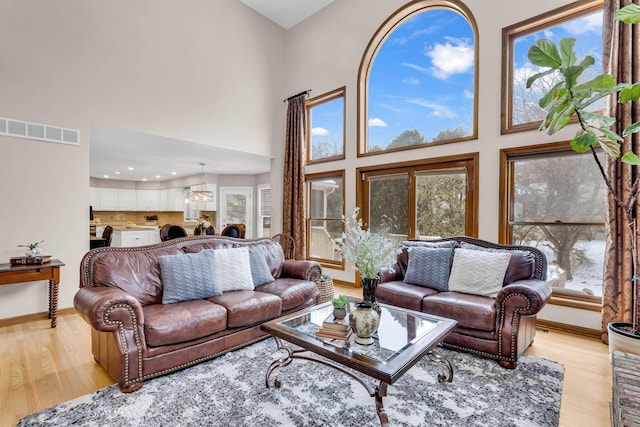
(105, 309)
(304, 270)
(388, 274)
(535, 292)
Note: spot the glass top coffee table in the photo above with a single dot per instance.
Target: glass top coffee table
(403, 338)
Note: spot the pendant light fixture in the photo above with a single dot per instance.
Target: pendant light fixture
(201, 195)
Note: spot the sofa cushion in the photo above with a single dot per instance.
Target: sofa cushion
(232, 269)
(471, 311)
(292, 292)
(521, 266)
(429, 267)
(246, 308)
(166, 324)
(403, 294)
(478, 272)
(403, 256)
(187, 276)
(260, 271)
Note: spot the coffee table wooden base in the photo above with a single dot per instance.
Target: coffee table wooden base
(377, 392)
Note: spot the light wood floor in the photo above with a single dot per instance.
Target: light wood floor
(40, 367)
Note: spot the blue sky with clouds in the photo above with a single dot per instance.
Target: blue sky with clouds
(422, 78)
(586, 29)
(327, 124)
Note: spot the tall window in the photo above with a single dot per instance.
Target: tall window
(418, 79)
(325, 198)
(422, 200)
(325, 127)
(555, 201)
(520, 109)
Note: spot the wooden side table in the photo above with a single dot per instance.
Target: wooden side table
(30, 273)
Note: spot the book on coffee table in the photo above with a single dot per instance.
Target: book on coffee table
(333, 334)
(336, 324)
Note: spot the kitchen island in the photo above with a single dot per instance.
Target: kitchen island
(125, 236)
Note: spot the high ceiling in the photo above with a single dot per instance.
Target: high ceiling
(287, 13)
(157, 158)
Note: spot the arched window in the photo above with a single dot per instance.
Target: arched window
(417, 83)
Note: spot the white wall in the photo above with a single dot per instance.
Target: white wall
(204, 71)
(325, 51)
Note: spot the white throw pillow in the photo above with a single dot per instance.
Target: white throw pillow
(478, 272)
(232, 269)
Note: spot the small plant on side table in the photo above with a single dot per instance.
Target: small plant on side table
(34, 249)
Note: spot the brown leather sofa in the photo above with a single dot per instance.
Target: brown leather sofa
(135, 337)
(500, 328)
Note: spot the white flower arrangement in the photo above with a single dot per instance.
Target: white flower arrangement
(203, 225)
(368, 251)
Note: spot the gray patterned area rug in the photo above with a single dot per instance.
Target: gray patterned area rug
(230, 391)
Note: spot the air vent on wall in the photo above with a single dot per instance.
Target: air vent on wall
(38, 131)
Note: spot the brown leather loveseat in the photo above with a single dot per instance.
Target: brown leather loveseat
(498, 324)
(136, 337)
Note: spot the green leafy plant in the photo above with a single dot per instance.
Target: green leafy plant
(368, 251)
(340, 302)
(572, 98)
(31, 245)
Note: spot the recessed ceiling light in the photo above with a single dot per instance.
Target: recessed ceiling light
(144, 179)
(130, 168)
(117, 172)
(174, 173)
(158, 176)
(105, 176)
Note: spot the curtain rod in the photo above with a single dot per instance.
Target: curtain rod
(304, 92)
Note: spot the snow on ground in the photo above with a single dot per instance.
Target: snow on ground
(584, 276)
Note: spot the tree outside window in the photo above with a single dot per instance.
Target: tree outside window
(557, 204)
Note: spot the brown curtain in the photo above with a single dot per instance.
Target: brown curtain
(293, 197)
(621, 58)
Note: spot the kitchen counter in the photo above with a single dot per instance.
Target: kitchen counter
(135, 227)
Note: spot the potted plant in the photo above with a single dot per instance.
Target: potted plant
(368, 251)
(34, 248)
(340, 306)
(569, 98)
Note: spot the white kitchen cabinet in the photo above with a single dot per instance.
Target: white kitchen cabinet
(119, 199)
(112, 199)
(164, 200)
(148, 200)
(109, 199)
(175, 199)
(211, 206)
(126, 200)
(94, 198)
